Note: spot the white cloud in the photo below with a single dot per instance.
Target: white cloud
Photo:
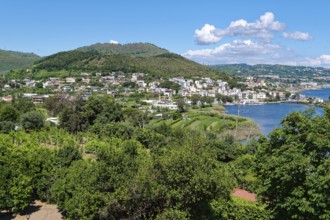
(251, 52)
(264, 28)
(238, 51)
(325, 59)
(297, 35)
(206, 35)
(114, 42)
(256, 49)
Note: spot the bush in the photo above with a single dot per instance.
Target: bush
(32, 121)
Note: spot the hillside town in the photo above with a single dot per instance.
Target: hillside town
(252, 91)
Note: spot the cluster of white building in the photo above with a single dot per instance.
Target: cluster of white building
(202, 86)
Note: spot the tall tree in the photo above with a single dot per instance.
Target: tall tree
(291, 167)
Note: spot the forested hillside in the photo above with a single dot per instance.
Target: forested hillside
(164, 65)
(267, 69)
(133, 49)
(10, 60)
(106, 58)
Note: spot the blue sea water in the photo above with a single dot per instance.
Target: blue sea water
(321, 93)
(269, 116)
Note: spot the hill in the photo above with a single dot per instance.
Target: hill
(107, 58)
(10, 60)
(164, 65)
(283, 71)
(133, 49)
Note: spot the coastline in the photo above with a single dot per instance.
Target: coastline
(299, 90)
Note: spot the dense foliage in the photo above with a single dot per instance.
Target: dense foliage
(127, 179)
(19, 112)
(117, 168)
(133, 49)
(293, 167)
(283, 71)
(154, 66)
(107, 162)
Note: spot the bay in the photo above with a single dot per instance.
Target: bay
(321, 93)
(268, 116)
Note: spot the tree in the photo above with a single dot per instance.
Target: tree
(76, 191)
(23, 105)
(101, 109)
(39, 85)
(6, 127)
(170, 85)
(138, 118)
(55, 104)
(207, 99)
(195, 99)
(32, 121)
(71, 120)
(182, 107)
(291, 167)
(24, 172)
(8, 113)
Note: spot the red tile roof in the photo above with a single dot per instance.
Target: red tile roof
(241, 193)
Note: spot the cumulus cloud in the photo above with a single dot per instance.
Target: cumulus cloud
(252, 52)
(264, 28)
(114, 42)
(297, 35)
(253, 44)
(325, 59)
(207, 35)
(238, 51)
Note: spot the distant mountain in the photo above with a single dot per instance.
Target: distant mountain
(134, 49)
(10, 60)
(282, 71)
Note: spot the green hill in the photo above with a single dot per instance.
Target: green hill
(10, 60)
(105, 58)
(134, 49)
(155, 62)
(283, 71)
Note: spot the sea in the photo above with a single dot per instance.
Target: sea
(269, 116)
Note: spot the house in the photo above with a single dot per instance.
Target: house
(70, 80)
(84, 74)
(141, 83)
(168, 92)
(163, 104)
(241, 193)
(86, 80)
(67, 88)
(137, 76)
(261, 95)
(38, 99)
(7, 98)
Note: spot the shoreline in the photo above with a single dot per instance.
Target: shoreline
(299, 90)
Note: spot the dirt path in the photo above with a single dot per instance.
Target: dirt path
(37, 211)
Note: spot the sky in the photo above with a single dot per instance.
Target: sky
(295, 32)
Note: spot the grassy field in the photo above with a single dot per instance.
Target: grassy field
(213, 119)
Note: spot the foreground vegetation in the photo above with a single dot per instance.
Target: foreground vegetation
(108, 162)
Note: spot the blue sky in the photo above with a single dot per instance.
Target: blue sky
(208, 31)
